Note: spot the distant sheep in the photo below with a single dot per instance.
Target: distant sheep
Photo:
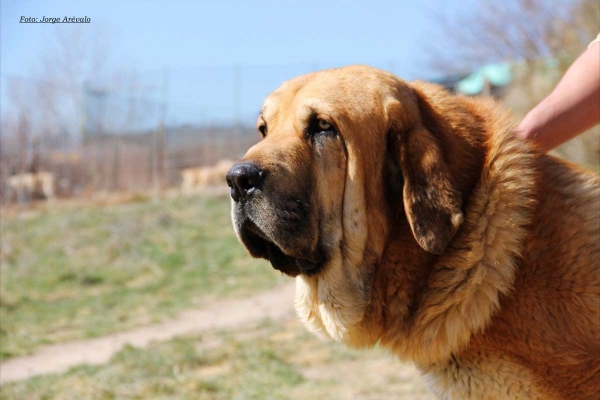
(202, 177)
(33, 186)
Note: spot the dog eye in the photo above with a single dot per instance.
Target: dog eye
(263, 130)
(324, 126)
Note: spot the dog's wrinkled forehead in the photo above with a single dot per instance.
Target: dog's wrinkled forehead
(344, 94)
(300, 98)
(280, 106)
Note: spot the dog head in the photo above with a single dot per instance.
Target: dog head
(343, 151)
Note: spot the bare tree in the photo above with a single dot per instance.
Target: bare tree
(76, 87)
(18, 128)
(513, 30)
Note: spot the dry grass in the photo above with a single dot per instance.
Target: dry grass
(74, 270)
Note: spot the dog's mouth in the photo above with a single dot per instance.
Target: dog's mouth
(262, 246)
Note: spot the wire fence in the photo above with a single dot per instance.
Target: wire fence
(133, 134)
(141, 133)
(128, 134)
(92, 138)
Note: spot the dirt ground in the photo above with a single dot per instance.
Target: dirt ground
(274, 304)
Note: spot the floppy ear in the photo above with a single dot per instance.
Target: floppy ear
(431, 202)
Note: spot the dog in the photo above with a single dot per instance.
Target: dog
(416, 219)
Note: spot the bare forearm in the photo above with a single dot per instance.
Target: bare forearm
(571, 108)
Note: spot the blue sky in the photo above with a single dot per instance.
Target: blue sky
(199, 43)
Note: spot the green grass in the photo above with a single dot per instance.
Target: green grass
(265, 361)
(71, 272)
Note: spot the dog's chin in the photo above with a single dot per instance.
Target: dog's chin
(289, 265)
(259, 245)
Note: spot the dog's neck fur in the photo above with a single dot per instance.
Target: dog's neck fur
(456, 294)
(441, 300)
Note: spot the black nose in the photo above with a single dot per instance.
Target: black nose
(243, 178)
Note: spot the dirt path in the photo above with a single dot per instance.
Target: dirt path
(276, 303)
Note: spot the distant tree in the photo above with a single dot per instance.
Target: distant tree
(76, 65)
(48, 108)
(513, 30)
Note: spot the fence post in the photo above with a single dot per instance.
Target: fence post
(116, 166)
(158, 158)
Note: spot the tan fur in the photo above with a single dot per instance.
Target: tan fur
(485, 377)
(451, 242)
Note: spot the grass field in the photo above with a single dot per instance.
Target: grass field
(270, 360)
(72, 271)
(77, 271)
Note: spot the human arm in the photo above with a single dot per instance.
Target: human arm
(571, 108)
